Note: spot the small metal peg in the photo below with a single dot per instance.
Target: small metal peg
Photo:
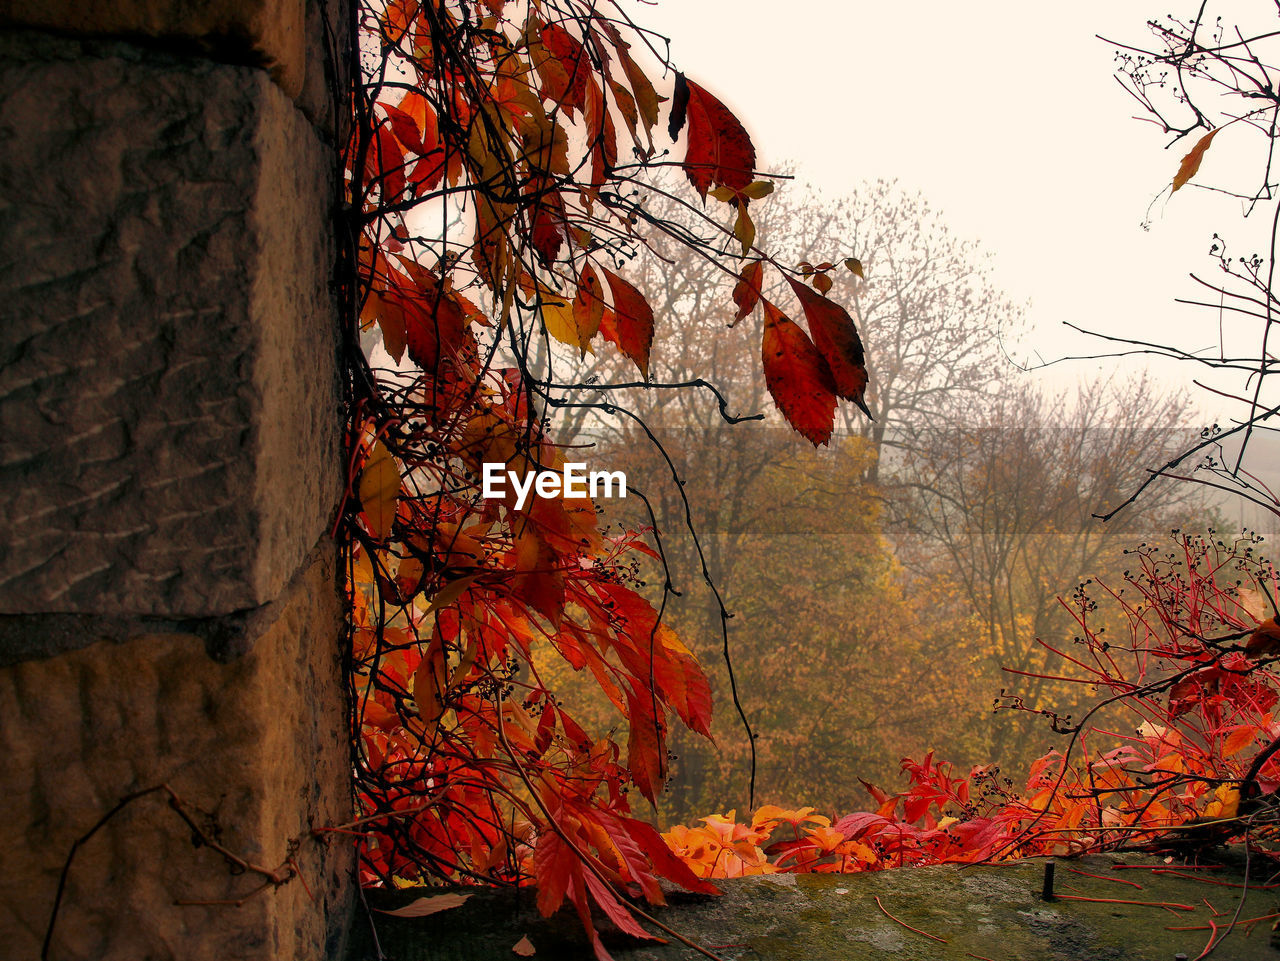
(1046, 892)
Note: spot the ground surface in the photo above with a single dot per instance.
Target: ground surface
(982, 912)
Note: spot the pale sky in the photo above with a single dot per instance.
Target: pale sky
(1005, 115)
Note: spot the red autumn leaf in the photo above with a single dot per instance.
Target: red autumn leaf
(546, 728)
(682, 681)
(1264, 640)
(633, 321)
(435, 319)
(405, 128)
(670, 866)
(540, 579)
(573, 62)
(547, 232)
(746, 292)
(646, 744)
(1239, 739)
(645, 97)
(837, 339)
(385, 165)
(798, 378)
(614, 909)
(719, 149)
(588, 304)
(555, 863)
(604, 137)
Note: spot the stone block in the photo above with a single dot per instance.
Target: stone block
(168, 389)
(258, 743)
(268, 33)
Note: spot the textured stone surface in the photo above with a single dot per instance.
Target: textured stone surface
(991, 912)
(265, 32)
(259, 742)
(168, 395)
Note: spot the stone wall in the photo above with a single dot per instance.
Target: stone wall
(170, 465)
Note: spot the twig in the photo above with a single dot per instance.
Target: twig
(1143, 904)
(932, 937)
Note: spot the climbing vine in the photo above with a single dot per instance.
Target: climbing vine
(498, 179)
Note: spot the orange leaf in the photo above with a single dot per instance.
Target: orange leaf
(837, 339)
(798, 379)
(524, 947)
(1238, 740)
(719, 150)
(1191, 162)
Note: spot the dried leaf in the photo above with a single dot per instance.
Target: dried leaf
(746, 292)
(1264, 640)
(1191, 162)
(745, 230)
(379, 490)
(423, 907)
(524, 947)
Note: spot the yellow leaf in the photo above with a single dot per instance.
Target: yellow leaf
(744, 230)
(757, 189)
(1191, 162)
(561, 323)
(379, 490)
(724, 194)
(450, 593)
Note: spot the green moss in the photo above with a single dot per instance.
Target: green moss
(991, 912)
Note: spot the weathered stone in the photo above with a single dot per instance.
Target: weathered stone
(168, 388)
(268, 33)
(259, 742)
(980, 911)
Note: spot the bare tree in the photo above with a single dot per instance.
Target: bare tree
(1211, 84)
(1004, 509)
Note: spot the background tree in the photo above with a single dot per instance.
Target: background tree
(1004, 509)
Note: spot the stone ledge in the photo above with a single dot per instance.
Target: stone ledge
(168, 388)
